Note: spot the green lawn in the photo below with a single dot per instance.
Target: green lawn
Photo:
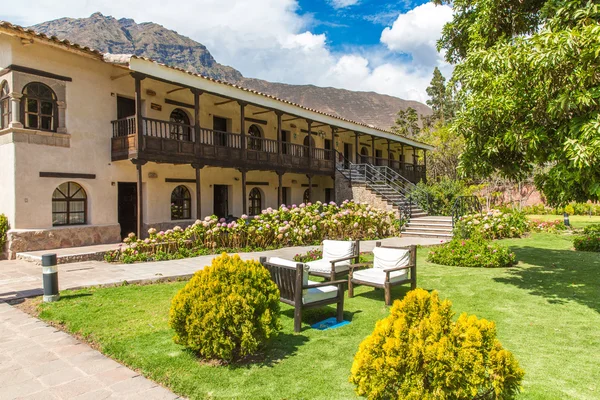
(547, 310)
(577, 221)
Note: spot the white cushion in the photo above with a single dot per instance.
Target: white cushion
(336, 249)
(377, 276)
(324, 266)
(291, 263)
(386, 258)
(317, 294)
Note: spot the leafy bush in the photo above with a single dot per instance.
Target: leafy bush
(475, 252)
(226, 311)
(310, 255)
(590, 240)
(306, 224)
(4, 227)
(537, 225)
(572, 209)
(494, 224)
(419, 352)
(441, 195)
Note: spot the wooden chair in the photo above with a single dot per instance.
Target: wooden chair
(391, 266)
(296, 290)
(335, 263)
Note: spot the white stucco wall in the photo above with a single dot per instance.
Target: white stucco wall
(7, 181)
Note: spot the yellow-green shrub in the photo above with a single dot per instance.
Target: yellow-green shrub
(227, 311)
(4, 227)
(419, 353)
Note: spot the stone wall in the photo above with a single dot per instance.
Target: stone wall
(345, 190)
(20, 240)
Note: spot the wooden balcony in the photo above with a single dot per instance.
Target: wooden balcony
(174, 143)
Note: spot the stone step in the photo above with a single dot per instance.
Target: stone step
(427, 235)
(426, 230)
(413, 224)
(71, 254)
(434, 218)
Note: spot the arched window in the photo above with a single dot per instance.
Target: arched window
(39, 107)
(364, 155)
(254, 134)
(306, 196)
(181, 203)
(306, 144)
(69, 205)
(255, 202)
(180, 125)
(4, 106)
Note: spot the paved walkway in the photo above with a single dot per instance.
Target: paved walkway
(20, 279)
(39, 362)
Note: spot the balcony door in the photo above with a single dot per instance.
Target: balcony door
(220, 126)
(125, 107)
(347, 155)
(221, 201)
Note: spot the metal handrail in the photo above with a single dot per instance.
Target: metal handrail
(464, 205)
(395, 176)
(374, 178)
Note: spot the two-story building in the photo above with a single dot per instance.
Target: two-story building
(94, 146)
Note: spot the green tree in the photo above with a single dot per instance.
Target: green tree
(440, 97)
(407, 122)
(530, 100)
(443, 161)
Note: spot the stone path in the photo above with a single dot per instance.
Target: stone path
(39, 362)
(20, 279)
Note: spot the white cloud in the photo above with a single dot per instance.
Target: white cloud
(343, 3)
(268, 39)
(417, 32)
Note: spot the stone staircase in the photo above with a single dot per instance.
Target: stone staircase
(392, 188)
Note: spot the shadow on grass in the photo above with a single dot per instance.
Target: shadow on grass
(314, 315)
(557, 275)
(283, 346)
(377, 294)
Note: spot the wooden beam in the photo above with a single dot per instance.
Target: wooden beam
(139, 124)
(257, 183)
(115, 77)
(257, 121)
(291, 119)
(224, 102)
(36, 72)
(262, 112)
(318, 126)
(66, 175)
(179, 103)
(244, 199)
(176, 90)
(179, 180)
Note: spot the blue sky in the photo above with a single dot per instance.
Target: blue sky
(366, 45)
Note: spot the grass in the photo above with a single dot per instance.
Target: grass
(577, 221)
(547, 311)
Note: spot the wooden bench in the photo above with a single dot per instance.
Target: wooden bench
(296, 290)
(376, 274)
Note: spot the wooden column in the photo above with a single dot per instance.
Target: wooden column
(279, 136)
(401, 158)
(198, 167)
(309, 188)
(373, 161)
(197, 94)
(356, 150)
(333, 150)
(414, 156)
(140, 198)
(243, 127)
(310, 146)
(280, 189)
(139, 123)
(424, 165)
(390, 164)
(244, 198)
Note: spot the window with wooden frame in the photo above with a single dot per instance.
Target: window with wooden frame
(254, 135)
(38, 107)
(255, 206)
(4, 105)
(181, 128)
(69, 205)
(181, 203)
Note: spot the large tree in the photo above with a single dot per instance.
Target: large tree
(440, 98)
(529, 91)
(407, 123)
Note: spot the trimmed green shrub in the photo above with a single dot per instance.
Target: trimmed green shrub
(590, 240)
(4, 227)
(493, 224)
(419, 353)
(475, 252)
(227, 311)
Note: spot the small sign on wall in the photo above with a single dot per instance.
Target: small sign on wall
(156, 107)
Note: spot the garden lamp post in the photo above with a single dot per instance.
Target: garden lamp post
(567, 223)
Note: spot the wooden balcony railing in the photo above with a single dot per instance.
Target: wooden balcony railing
(170, 142)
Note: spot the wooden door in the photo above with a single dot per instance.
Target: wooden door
(127, 208)
(125, 107)
(347, 154)
(220, 125)
(221, 201)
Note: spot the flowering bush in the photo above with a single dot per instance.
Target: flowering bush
(420, 352)
(310, 255)
(537, 225)
(590, 240)
(475, 252)
(493, 224)
(226, 311)
(306, 224)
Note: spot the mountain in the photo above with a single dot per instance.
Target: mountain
(125, 36)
